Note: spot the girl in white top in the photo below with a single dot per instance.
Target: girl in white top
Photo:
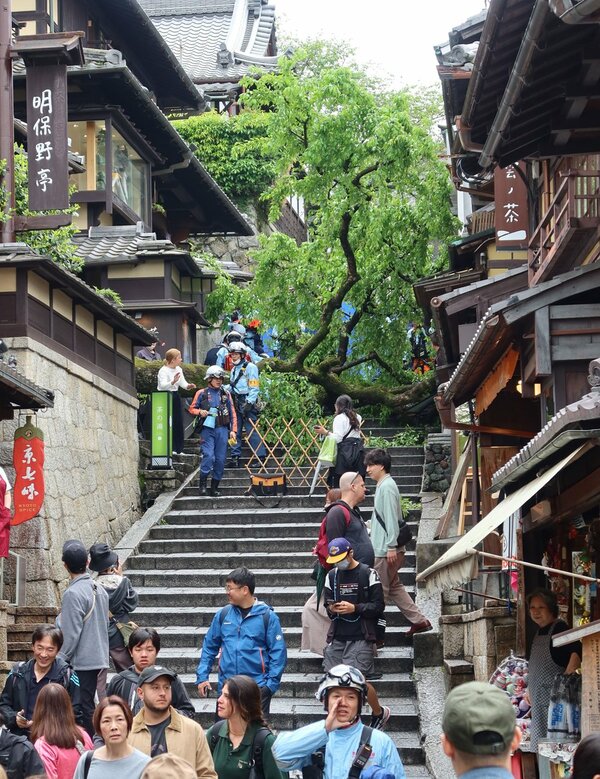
(345, 429)
(170, 378)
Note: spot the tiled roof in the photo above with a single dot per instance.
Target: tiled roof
(22, 393)
(227, 52)
(570, 423)
(127, 243)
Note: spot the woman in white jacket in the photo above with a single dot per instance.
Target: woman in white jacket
(170, 378)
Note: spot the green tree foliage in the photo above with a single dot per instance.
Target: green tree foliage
(367, 165)
(232, 150)
(56, 243)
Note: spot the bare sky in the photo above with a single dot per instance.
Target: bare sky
(394, 37)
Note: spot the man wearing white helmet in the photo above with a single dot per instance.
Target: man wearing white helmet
(214, 407)
(244, 385)
(341, 745)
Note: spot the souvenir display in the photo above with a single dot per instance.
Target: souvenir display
(511, 676)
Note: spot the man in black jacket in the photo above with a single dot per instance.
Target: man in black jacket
(354, 602)
(27, 679)
(144, 645)
(18, 756)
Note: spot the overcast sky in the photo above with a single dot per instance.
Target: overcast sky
(394, 37)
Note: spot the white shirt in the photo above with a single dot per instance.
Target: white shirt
(166, 376)
(341, 426)
(5, 477)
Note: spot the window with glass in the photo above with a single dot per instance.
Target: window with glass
(130, 175)
(88, 140)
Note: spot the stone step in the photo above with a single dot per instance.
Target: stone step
(292, 713)
(198, 616)
(184, 589)
(193, 636)
(253, 514)
(183, 660)
(220, 534)
(245, 502)
(246, 545)
(226, 488)
(403, 467)
(304, 685)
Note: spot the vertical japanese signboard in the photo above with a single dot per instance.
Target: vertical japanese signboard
(47, 137)
(512, 209)
(28, 462)
(162, 409)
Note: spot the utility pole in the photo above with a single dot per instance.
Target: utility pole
(7, 140)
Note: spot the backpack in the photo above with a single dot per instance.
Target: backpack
(258, 743)
(266, 617)
(316, 768)
(321, 547)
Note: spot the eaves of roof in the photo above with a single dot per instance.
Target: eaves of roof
(500, 324)
(168, 305)
(19, 255)
(179, 160)
(132, 30)
(22, 393)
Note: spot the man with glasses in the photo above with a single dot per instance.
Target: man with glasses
(248, 634)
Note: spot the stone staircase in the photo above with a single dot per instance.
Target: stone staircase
(179, 571)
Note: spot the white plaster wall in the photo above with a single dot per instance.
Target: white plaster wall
(91, 466)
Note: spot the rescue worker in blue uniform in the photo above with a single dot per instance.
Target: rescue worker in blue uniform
(215, 407)
(244, 387)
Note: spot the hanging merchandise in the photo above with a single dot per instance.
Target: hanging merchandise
(511, 676)
(28, 462)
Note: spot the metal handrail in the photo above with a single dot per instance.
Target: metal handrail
(20, 578)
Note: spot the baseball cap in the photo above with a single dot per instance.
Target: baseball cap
(338, 549)
(479, 719)
(152, 672)
(74, 555)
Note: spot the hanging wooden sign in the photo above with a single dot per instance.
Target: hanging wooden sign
(28, 462)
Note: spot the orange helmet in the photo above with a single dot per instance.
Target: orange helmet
(254, 324)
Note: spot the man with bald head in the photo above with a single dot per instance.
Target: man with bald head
(344, 519)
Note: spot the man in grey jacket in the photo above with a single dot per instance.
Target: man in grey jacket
(84, 622)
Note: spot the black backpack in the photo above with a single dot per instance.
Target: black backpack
(258, 743)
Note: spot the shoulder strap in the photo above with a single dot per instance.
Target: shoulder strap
(212, 734)
(379, 519)
(363, 753)
(224, 612)
(87, 763)
(258, 744)
(242, 371)
(364, 574)
(89, 614)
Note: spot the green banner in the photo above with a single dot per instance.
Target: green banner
(162, 410)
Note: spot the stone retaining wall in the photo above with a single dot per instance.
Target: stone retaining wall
(437, 471)
(91, 469)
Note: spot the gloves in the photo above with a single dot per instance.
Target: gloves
(231, 440)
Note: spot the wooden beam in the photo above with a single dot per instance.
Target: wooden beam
(45, 222)
(543, 362)
(580, 497)
(453, 493)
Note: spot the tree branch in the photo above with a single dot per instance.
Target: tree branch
(341, 368)
(336, 300)
(365, 172)
(386, 366)
(351, 324)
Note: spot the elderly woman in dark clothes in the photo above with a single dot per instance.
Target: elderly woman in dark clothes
(545, 660)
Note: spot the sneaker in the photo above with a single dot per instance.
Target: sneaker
(420, 627)
(378, 721)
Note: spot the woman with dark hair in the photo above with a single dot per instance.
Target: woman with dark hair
(545, 660)
(59, 741)
(346, 431)
(116, 759)
(241, 728)
(586, 760)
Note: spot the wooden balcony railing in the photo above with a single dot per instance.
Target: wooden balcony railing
(568, 227)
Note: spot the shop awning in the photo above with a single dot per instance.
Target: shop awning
(458, 564)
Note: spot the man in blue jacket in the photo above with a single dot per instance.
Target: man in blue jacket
(342, 738)
(248, 633)
(244, 387)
